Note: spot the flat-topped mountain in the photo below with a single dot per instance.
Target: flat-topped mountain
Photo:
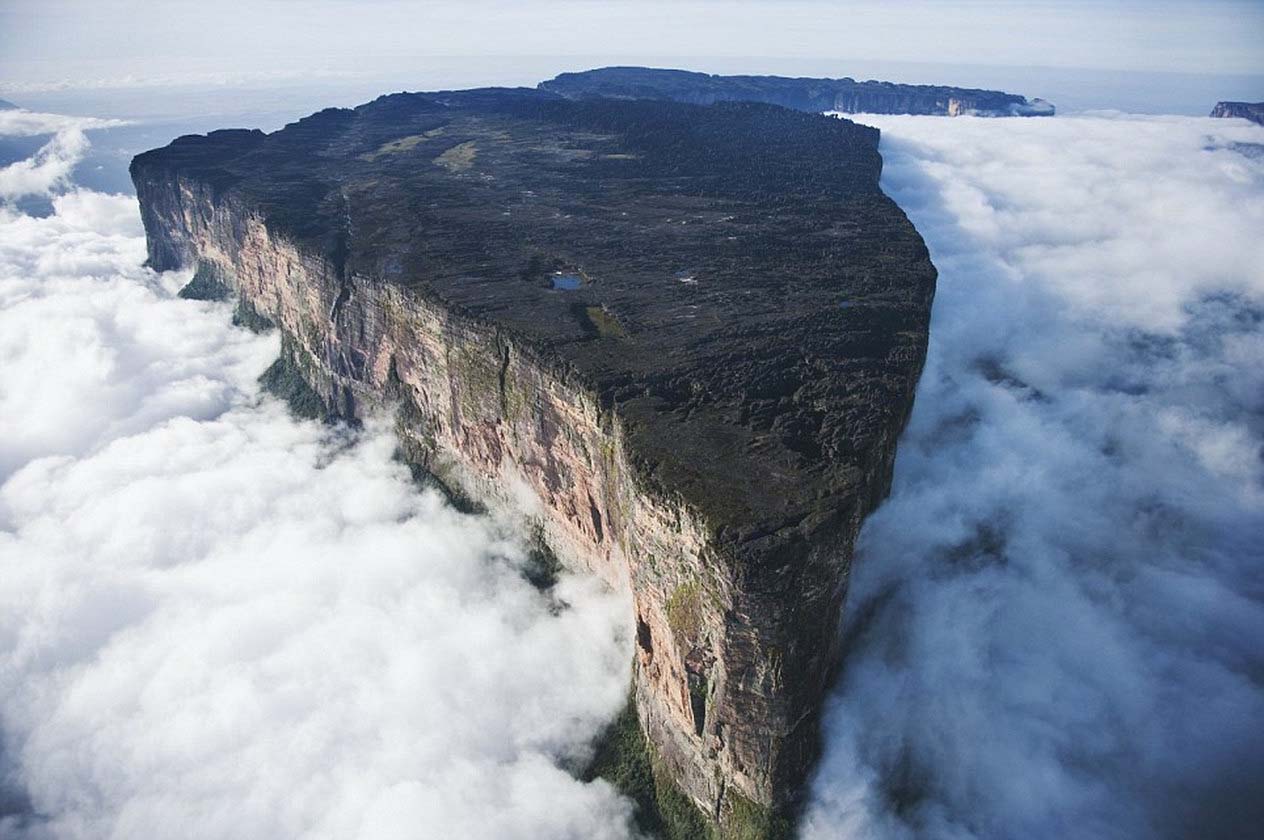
(845, 95)
(690, 334)
(735, 304)
(1253, 111)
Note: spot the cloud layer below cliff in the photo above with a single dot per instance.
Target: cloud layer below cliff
(50, 168)
(218, 622)
(1057, 620)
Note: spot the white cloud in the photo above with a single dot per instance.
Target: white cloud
(218, 622)
(1058, 617)
(200, 39)
(91, 348)
(18, 122)
(50, 168)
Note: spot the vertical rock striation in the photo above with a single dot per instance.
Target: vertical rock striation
(681, 340)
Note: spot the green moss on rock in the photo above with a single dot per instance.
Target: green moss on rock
(417, 450)
(477, 374)
(284, 381)
(245, 315)
(742, 819)
(684, 612)
(207, 284)
(626, 759)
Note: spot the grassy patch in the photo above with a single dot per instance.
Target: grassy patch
(458, 158)
(606, 324)
(394, 147)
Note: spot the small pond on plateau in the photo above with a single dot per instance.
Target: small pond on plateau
(567, 282)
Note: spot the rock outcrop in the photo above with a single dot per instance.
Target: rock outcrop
(1253, 111)
(682, 340)
(845, 95)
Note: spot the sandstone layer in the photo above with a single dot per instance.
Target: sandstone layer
(845, 95)
(682, 340)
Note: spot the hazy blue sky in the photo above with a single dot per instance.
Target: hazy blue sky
(130, 42)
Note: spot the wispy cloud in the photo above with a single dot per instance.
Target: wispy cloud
(50, 168)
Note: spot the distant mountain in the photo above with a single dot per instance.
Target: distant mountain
(1253, 111)
(845, 95)
(6, 105)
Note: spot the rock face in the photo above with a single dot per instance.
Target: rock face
(682, 340)
(842, 95)
(1253, 111)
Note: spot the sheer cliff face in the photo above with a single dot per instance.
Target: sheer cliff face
(1253, 111)
(840, 95)
(705, 418)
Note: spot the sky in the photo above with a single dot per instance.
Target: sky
(44, 43)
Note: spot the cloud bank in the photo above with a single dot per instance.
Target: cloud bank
(51, 167)
(1056, 622)
(217, 622)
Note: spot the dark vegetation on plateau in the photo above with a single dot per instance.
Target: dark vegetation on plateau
(803, 94)
(753, 303)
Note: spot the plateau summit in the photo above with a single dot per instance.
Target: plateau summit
(689, 335)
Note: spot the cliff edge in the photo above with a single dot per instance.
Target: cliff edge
(688, 336)
(846, 95)
(1253, 111)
